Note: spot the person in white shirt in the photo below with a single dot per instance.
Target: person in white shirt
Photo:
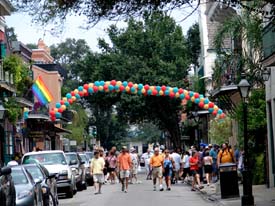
(146, 157)
(134, 170)
(177, 159)
(186, 165)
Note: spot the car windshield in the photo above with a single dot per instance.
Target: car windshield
(83, 157)
(71, 157)
(19, 177)
(35, 172)
(45, 159)
(90, 155)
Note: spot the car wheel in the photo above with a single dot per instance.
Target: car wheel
(70, 193)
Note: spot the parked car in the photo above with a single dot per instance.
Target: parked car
(7, 188)
(89, 155)
(88, 176)
(28, 190)
(55, 162)
(78, 169)
(49, 185)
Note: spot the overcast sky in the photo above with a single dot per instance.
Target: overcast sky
(27, 32)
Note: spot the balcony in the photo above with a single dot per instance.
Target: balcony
(269, 45)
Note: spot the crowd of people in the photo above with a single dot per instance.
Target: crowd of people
(197, 165)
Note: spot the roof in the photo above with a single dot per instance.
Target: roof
(53, 67)
(39, 116)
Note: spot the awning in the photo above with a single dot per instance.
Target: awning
(38, 116)
(24, 102)
(59, 130)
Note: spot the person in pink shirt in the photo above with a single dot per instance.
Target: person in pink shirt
(124, 164)
(112, 163)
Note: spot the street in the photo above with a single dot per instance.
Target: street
(138, 194)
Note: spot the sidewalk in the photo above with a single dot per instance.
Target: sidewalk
(263, 196)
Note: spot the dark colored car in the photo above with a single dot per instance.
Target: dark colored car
(28, 190)
(78, 169)
(7, 188)
(49, 185)
(89, 177)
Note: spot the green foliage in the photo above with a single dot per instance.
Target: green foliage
(149, 133)
(15, 65)
(258, 170)
(9, 31)
(152, 52)
(31, 45)
(13, 110)
(194, 43)
(220, 130)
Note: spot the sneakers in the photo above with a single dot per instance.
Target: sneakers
(168, 189)
(155, 189)
(125, 191)
(201, 187)
(161, 189)
(122, 188)
(193, 189)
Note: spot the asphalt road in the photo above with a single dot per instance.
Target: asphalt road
(138, 195)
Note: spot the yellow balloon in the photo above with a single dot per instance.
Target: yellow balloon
(216, 107)
(127, 88)
(64, 99)
(193, 99)
(205, 106)
(107, 83)
(135, 86)
(161, 93)
(201, 99)
(177, 95)
(143, 91)
(152, 88)
(73, 98)
(171, 89)
(76, 91)
(185, 92)
(100, 88)
(91, 85)
(55, 109)
(63, 107)
(119, 83)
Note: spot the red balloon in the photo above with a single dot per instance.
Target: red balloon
(95, 89)
(172, 94)
(130, 84)
(211, 105)
(155, 92)
(53, 118)
(81, 93)
(52, 113)
(86, 94)
(222, 116)
(72, 93)
(86, 86)
(163, 88)
(113, 82)
(122, 88)
(196, 95)
(201, 104)
(187, 97)
(105, 87)
(214, 112)
(61, 102)
(60, 110)
(146, 87)
(70, 101)
(180, 91)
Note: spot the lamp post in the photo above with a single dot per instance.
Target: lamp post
(197, 118)
(266, 73)
(247, 198)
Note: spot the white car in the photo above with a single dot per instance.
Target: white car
(55, 162)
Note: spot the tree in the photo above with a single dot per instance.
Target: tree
(220, 130)
(152, 51)
(194, 43)
(31, 45)
(94, 10)
(10, 34)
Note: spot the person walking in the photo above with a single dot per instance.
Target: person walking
(214, 154)
(146, 157)
(177, 159)
(186, 165)
(194, 168)
(124, 164)
(156, 163)
(168, 165)
(207, 163)
(96, 170)
(112, 163)
(134, 170)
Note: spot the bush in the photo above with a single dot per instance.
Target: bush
(258, 169)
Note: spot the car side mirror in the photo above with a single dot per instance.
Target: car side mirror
(37, 181)
(5, 171)
(73, 162)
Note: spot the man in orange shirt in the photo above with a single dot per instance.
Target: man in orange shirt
(226, 155)
(156, 162)
(124, 164)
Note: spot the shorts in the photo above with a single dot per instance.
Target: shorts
(134, 170)
(208, 169)
(168, 173)
(187, 171)
(214, 168)
(124, 174)
(157, 172)
(98, 178)
(194, 172)
(109, 169)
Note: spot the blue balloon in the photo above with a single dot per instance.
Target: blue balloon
(69, 96)
(80, 88)
(201, 96)
(219, 111)
(175, 90)
(97, 83)
(111, 87)
(77, 96)
(191, 94)
(197, 100)
(125, 84)
(158, 88)
(116, 87)
(102, 83)
(139, 92)
(57, 105)
(57, 115)
(182, 96)
(90, 90)
(167, 92)
(67, 104)
(211, 110)
(140, 86)
(206, 101)
(133, 89)
(149, 92)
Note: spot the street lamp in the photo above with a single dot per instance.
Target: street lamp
(247, 198)
(266, 74)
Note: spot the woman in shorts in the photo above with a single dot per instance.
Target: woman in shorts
(194, 168)
(168, 165)
(207, 162)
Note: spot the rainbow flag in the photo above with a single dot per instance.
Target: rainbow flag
(41, 91)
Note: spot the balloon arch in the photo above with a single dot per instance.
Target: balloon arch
(131, 88)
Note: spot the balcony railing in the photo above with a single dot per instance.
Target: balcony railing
(269, 40)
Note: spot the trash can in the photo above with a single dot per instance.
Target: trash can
(229, 181)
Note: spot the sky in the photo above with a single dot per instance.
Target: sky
(28, 32)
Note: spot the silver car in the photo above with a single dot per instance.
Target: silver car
(28, 190)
